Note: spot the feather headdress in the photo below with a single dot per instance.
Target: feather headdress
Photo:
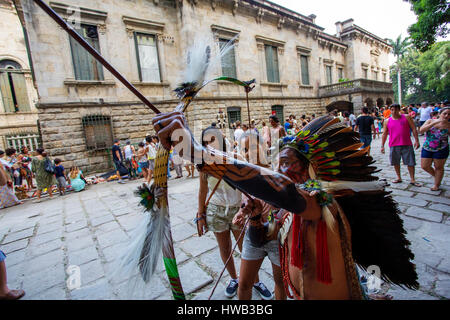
(335, 159)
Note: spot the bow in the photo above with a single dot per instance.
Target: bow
(158, 206)
(154, 199)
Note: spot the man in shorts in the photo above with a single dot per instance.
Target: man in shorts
(398, 127)
(117, 158)
(365, 127)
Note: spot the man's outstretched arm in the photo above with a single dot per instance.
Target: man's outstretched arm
(272, 187)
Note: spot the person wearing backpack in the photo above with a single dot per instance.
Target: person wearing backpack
(45, 179)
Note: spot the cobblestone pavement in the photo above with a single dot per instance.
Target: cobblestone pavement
(89, 229)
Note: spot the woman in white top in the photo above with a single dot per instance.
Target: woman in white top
(218, 215)
(151, 142)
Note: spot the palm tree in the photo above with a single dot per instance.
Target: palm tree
(399, 47)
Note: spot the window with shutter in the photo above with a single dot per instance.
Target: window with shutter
(7, 97)
(147, 57)
(86, 67)
(228, 60)
(272, 63)
(13, 87)
(305, 69)
(329, 75)
(20, 91)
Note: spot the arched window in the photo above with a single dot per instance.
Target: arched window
(380, 102)
(13, 87)
(368, 102)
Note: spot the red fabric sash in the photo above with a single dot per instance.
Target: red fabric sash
(322, 254)
(297, 243)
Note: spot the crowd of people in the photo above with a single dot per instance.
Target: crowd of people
(223, 213)
(30, 174)
(400, 123)
(140, 162)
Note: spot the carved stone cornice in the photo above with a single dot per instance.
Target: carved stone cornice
(259, 15)
(269, 41)
(136, 24)
(303, 51)
(281, 21)
(88, 15)
(235, 7)
(220, 32)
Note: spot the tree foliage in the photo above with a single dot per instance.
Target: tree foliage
(433, 17)
(424, 76)
(399, 46)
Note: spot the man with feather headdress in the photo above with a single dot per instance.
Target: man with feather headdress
(333, 214)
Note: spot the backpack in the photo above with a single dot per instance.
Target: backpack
(49, 166)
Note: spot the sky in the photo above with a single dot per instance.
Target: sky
(384, 18)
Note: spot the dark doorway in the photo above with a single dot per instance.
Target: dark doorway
(341, 106)
(380, 102)
(369, 103)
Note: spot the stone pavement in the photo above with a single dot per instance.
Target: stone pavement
(89, 229)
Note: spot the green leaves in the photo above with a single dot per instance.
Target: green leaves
(424, 76)
(432, 22)
(399, 46)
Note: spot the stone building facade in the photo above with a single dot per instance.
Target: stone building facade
(296, 65)
(18, 96)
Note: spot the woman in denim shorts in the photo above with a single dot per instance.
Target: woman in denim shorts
(252, 256)
(435, 149)
(220, 211)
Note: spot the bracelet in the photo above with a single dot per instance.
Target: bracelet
(197, 219)
(322, 197)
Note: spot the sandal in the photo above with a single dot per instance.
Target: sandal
(397, 181)
(416, 184)
(380, 296)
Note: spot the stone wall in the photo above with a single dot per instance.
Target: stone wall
(63, 134)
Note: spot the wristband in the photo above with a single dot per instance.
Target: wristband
(322, 197)
(197, 219)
